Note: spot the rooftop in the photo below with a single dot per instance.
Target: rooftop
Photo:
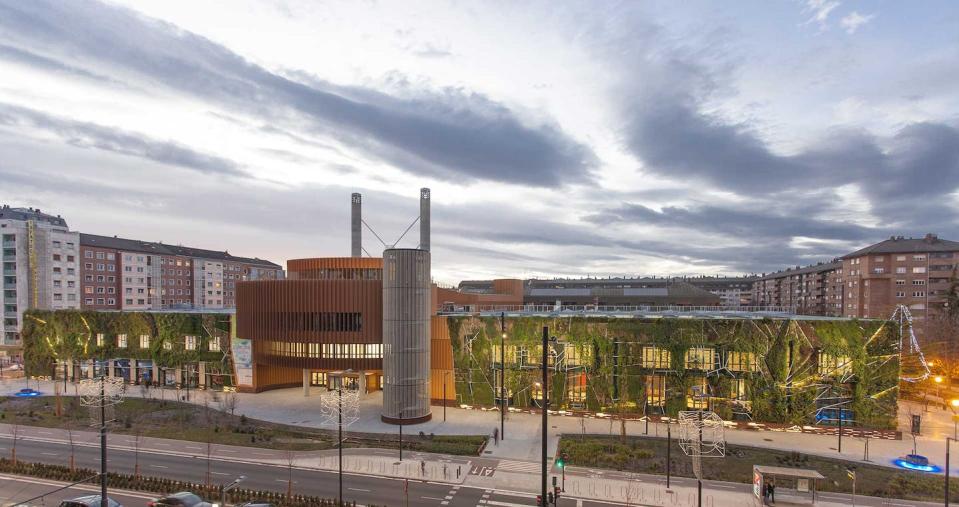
(155, 248)
(900, 244)
(24, 214)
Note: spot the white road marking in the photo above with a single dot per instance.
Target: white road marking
(49, 454)
(505, 504)
(157, 466)
(359, 489)
(431, 498)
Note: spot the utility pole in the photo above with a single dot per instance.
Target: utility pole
(103, 445)
(339, 413)
(545, 405)
(446, 375)
(401, 435)
(502, 376)
(699, 477)
(669, 445)
(840, 429)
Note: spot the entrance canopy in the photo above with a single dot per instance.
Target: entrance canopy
(793, 486)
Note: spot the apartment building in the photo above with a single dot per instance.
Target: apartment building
(733, 291)
(810, 290)
(915, 272)
(40, 269)
(129, 274)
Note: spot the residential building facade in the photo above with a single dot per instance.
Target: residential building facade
(40, 257)
(129, 274)
(915, 272)
(733, 291)
(809, 290)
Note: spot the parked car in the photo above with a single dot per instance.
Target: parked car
(88, 501)
(255, 503)
(181, 499)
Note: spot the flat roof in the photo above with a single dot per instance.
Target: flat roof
(802, 473)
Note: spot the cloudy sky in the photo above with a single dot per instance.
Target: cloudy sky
(559, 138)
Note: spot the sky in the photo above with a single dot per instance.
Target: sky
(559, 138)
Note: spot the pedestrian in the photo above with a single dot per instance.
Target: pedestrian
(495, 436)
(423, 467)
(772, 492)
(444, 470)
(766, 492)
(458, 467)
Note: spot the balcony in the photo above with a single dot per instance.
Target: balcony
(9, 244)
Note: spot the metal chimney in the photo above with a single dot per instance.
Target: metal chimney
(425, 219)
(356, 224)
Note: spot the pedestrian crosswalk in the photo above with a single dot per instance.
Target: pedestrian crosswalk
(519, 466)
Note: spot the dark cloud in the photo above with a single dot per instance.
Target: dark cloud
(750, 222)
(670, 127)
(428, 135)
(89, 135)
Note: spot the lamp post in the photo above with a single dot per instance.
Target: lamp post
(938, 380)
(545, 388)
(339, 414)
(954, 404)
(502, 376)
(401, 435)
(446, 376)
(948, 439)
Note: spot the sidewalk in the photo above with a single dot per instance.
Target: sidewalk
(522, 432)
(611, 486)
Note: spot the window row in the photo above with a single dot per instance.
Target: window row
(189, 342)
(326, 350)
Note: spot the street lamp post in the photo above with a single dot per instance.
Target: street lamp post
(545, 404)
(954, 404)
(339, 413)
(948, 439)
(502, 376)
(401, 435)
(446, 376)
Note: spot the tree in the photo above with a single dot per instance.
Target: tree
(229, 402)
(136, 454)
(72, 449)
(15, 434)
(290, 459)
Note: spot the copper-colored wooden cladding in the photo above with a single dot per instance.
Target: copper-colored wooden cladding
(267, 311)
(302, 268)
(441, 360)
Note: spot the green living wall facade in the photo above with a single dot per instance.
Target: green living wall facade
(781, 371)
(54, 337)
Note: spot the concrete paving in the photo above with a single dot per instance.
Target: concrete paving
(523, 430)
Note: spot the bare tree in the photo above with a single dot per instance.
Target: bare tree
(209, 463)
(229, 402)
(15, 433)
(136, 454)
(290, 459)
(72, 449)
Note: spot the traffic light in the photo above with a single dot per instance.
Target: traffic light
(561, 462)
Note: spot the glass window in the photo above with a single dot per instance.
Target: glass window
(576, 388)
(655, 358)
(214, 345)
(101, 339)
(189, 342)
(122, 341)
(144, 341)
(741, 361)
(700, 358)
(833, 365)
(656, 390)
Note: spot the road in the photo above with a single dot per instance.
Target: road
(363, 489)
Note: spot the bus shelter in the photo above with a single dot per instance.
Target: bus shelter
(792, 486)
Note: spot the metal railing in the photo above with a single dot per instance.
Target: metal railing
(608, 309)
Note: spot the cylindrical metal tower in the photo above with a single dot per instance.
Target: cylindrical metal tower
(406, 335)
(425, 219)
(356, 227)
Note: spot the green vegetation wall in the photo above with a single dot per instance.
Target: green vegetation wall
(788, 383)
(52, 336)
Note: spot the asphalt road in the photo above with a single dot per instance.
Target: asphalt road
(364, 490)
